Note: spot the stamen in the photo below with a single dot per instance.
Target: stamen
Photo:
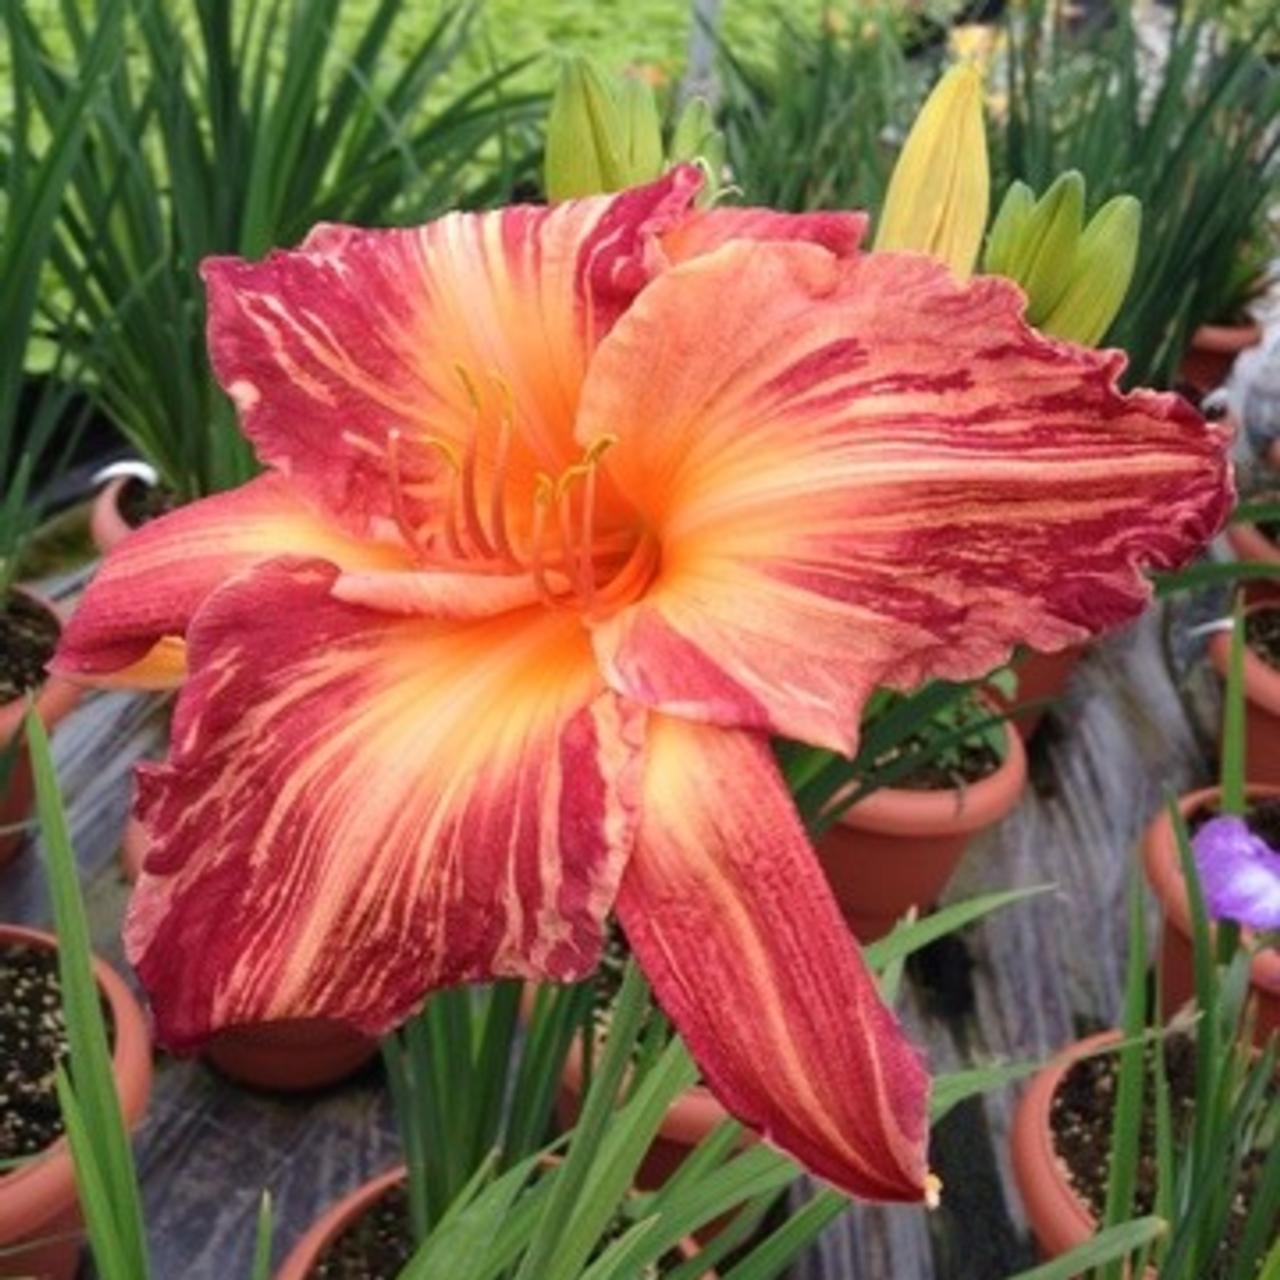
(470, 496)
(594, 453)
(449, 451)
(498, 497)
(543, 497)
(631, 579)
(577, 556)
(398, 509)
(363, 444)
(579, 544)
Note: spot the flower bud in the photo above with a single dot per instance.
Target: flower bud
(1008, 228)
(1042, 255)
(940, 189)
(1100, 275)
(642, 131)
(696, 140)
(587, 137)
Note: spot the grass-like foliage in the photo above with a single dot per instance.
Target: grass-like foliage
(822, 126)
(38, 153)
(1194, 138)
(233, 133)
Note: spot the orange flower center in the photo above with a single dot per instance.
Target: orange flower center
(502, 518)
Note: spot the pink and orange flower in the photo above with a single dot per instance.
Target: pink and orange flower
(566, 511)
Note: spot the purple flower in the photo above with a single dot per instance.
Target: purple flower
(1239, 874)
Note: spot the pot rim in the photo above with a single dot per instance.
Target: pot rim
(49, 1178)
(1226, 338)
(339, 1215)
(1032, 1145)
(107, 524)
(55, 696)
(901, 811)
(688, 1119)
(1261, 679)
(1033, 1148)
(1250, 543)
(1164, 875)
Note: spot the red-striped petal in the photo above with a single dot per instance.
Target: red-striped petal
(862, 473)
(359, 807)
(438, 333)
(709, 229)
(152, 583)
(731, 919)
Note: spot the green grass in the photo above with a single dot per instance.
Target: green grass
(622, 33)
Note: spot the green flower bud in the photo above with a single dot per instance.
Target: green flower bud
(696, 140)
(1042, 256)
(1008, 228)
(695, 126)
(642, 149)
(587, 136)
(1100, 275)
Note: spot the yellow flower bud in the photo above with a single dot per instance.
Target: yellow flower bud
(940, 189)
(1100, 275)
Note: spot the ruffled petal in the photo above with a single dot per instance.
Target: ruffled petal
(862, 473)
(358, 808)
(731, 919)
(150, 586)
(361, 359)
(709, 229)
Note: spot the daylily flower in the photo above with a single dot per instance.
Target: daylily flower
(567, 511)
(1239, 873)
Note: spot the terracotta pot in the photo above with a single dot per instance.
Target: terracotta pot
(1262, 703)
(302, 1259)
(1164, 874)
(1059, 1219)
(291, 1056)
(1250, 543)
(54, 701)
(898, 848)
(107, 525)
(38, 1200)
(1213, 351)
(1043, 678)
(689, 1119)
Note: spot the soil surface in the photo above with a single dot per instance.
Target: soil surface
(33, 1041)
(1270, 528)
(140, 502)
(28, 636)
(1262, 819)
(378, 1245)
(961, 766)
(1081, 1119)
(1262, 634)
